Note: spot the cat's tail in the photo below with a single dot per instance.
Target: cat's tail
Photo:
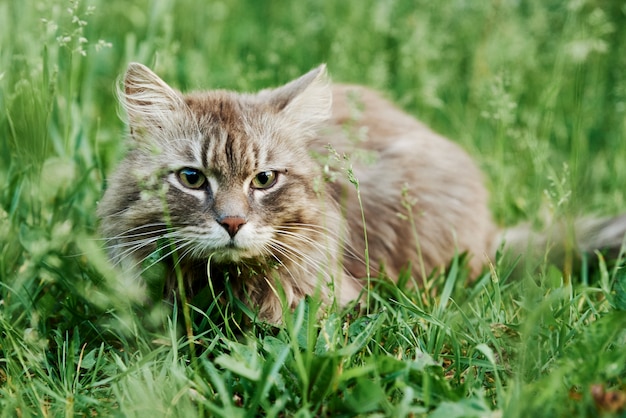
(562, 243)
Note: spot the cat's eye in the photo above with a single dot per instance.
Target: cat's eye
(191, 178)
(264, 180)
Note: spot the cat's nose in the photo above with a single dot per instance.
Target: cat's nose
(232, 224)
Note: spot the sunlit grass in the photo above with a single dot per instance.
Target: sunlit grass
(534, 90)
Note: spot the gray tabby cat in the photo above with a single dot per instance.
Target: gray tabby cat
(242, 187)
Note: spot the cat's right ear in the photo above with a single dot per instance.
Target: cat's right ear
(148, 101)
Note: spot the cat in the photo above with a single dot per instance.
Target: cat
(271, 191)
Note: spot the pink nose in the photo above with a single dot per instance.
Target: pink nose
(232, 224)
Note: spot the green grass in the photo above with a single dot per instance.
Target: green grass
(535, 90)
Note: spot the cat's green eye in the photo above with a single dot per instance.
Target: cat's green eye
(191, 178)
(264, 180)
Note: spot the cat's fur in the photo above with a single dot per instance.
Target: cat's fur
(305, 233)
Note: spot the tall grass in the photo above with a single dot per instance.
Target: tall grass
(534, 90)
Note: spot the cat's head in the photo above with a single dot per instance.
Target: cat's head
(219, 174)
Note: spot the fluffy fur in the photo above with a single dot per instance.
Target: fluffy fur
(303, 231)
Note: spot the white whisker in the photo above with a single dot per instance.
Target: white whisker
(299, 256)
(347, 249)
(289, 255)
(268, 250)
(174, 247)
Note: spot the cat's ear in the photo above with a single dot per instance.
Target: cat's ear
(305, 101)
(149, 102)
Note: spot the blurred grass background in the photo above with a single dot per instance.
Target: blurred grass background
(535, 90)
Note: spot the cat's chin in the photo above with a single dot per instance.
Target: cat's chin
(232, 255)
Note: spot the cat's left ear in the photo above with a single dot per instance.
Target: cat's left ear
(305, 101)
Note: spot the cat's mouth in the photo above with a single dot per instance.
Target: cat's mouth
(244, 246)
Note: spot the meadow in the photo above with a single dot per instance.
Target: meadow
(536, 92)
